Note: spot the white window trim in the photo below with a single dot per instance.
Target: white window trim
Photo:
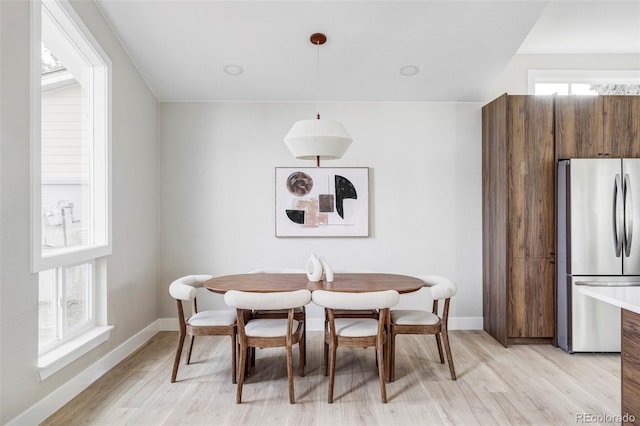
(103, 174)
(58, 358)
(580, 76)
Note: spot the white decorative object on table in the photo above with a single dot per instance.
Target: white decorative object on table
(314, 268)
(328, 272)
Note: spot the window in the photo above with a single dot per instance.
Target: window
(584, 82)
(66, 304)
(71, 200)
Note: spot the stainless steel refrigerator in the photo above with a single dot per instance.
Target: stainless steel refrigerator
(596, 247)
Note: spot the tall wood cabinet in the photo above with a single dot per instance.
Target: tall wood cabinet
(518, 181)
(522, 139)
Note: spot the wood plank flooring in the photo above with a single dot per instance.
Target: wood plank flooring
(533, 384)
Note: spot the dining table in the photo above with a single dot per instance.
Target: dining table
(349, 282)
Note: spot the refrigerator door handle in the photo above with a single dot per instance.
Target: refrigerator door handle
(618, 216)
(628, 215)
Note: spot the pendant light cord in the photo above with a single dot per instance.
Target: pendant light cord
(318, 81)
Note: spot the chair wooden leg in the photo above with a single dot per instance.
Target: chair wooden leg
(326, 358)
(302, 349)
(191, 339)
(445, 338)
(439, 343)
(292, 399)
(387, 358)
(304, 340)
(241, 366)
(250, 361)
(176, 362)
(253, 359)
(383, 389)
(392, 356)
(233, 359)
(332, 371)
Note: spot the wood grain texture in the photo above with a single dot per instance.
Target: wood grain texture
(630, 365)
(538, 384)
(519, 228)
(494, 218)
(579, 127)
(622, 126)
(531, 176)
(531, 299)
(351, 282)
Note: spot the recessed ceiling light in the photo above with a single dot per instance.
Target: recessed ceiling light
(409, 70)
(233, 69)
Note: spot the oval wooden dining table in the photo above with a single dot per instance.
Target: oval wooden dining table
(350, 282)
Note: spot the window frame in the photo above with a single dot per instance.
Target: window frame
(81, 341)
(101, 203)
(580, 76)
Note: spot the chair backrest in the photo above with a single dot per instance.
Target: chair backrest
(355, 301)
(185, 288)
(441, 287)
(275, 300)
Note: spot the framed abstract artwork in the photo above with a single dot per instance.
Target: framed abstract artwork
(322, 202)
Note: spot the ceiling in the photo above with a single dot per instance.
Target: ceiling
(182, 47)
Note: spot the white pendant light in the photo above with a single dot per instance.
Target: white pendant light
(318, 139)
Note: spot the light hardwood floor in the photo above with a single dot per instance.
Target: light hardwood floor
(536, 384)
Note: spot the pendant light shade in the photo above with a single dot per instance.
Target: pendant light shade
(316, 138)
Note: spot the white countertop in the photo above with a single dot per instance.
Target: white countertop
(623, 297)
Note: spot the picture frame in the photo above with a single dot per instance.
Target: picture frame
(322, 202)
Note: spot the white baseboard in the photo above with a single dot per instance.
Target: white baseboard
(38, 412)
(466, 323)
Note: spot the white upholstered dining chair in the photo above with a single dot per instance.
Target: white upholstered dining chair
(299, 313)
(358, 331)
(410, 321)
(205, 323)
(268, 332)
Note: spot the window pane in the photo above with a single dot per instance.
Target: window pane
(71, 143)
(65, 162)
(551, 88)
(582, 89)
(77, 285)
(47, 307)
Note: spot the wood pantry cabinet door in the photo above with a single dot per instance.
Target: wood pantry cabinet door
(578, 127)
(622, 126)
(531, 177)
(494, 218)
(531, 298)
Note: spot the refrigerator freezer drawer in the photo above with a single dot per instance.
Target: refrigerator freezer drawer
(595, 325)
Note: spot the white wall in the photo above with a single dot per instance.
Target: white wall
(132, 269)
(217, 207)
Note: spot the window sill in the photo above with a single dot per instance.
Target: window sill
(55, 360)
